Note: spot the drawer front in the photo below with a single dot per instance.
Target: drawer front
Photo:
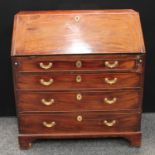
(78, 81)
(78, 101)
(75, 63)
(78, 122)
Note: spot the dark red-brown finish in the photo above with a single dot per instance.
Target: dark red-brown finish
(89, 63)
(67, 81)
(67, 101)
(25, 140)
(67, 122)
(78, 32)
(102, 48)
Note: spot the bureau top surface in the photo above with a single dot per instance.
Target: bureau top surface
(77, 32)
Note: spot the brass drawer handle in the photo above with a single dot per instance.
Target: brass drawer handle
(111, 65)
(110, 101)
(43, 66)
(78, 78)
(46, 83)
(49, 125)
(111, 123)
(79, 97)
(78, 64)
(108, 81)
(79, 118)
(47, 103)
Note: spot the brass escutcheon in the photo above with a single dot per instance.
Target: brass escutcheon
(79, 118)
(77, 18)
(78, 64)
(78, 79)
(79, 97)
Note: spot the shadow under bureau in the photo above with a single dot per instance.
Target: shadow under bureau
(78, 74)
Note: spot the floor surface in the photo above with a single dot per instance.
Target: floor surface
(9, 143)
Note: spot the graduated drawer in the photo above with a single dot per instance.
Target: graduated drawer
(75, 63)
(69, 81)
(78, 122)
(78, 101)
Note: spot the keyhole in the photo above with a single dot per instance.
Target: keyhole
(77, 18)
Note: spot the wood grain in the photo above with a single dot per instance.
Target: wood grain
(88, 63)
(68, 81)
(25, 140)
(62, 38)
(67, 122)
(91, 101)
(55, 33)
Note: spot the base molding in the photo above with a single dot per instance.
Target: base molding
(26, 140)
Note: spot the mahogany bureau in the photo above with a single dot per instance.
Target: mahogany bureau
(78, 74)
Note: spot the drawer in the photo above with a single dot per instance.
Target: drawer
(75, 63)
(79, 101)
(61, 82)
(78, 122)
